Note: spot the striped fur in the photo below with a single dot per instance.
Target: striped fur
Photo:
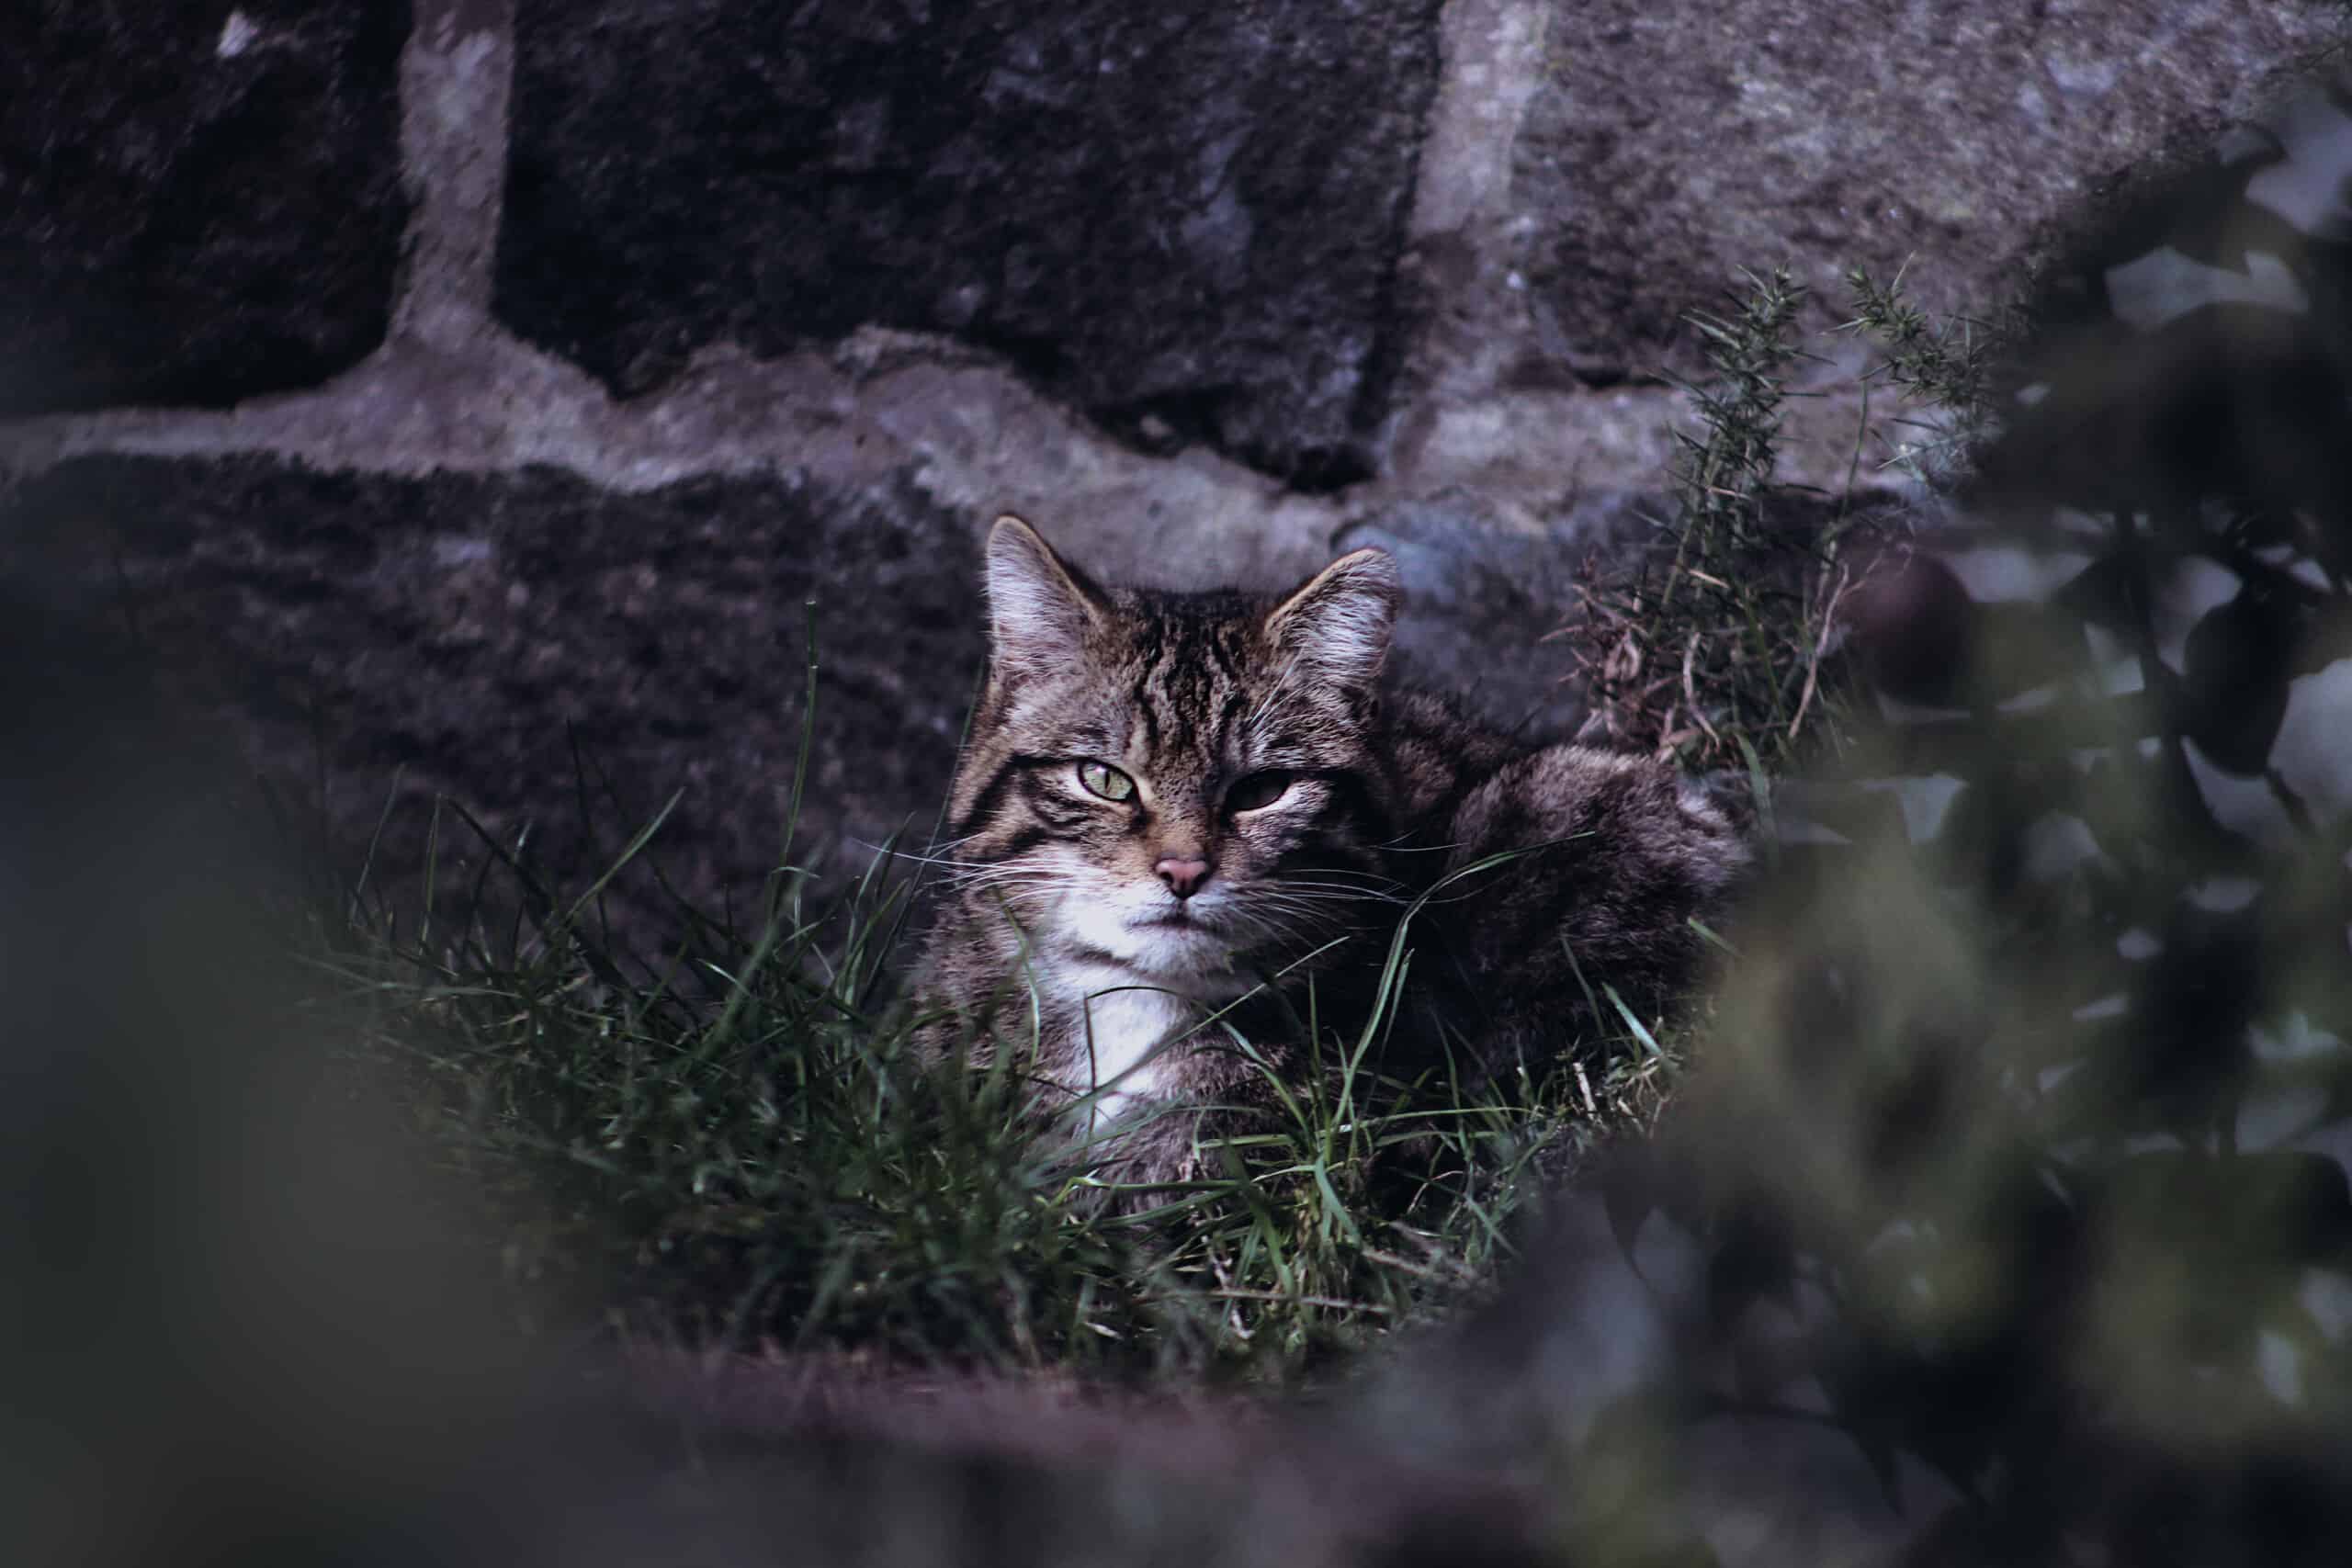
(1254, 734)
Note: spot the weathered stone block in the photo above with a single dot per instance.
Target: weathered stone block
(1669, 145)
(459, 635)
(198, 201)
(1183, 217)
(1481, 597)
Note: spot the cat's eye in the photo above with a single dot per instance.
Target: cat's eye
(1103, 779)
(1255, 792)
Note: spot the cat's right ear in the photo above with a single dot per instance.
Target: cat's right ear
(1336, 623)
(1039, 606)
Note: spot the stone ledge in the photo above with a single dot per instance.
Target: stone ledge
(456, 635)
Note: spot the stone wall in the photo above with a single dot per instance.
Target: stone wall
(458, 386)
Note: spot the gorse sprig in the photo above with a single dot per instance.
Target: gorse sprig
(1722, 641)
(1943, 367)
(1723, 473)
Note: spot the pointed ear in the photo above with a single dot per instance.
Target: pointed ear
(1336, 623)
(1039, 607)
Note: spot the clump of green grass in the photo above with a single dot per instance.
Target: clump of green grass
(737, 1145)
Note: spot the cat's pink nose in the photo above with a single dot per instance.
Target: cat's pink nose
(1183, 877)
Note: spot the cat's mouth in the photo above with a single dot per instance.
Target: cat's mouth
(1184, 918)
(1191, 931)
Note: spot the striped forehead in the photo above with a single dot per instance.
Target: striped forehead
(1186, 677)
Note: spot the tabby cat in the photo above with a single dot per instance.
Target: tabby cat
(1176, 812)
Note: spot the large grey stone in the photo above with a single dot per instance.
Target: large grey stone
(1483, 599)
(1182, 217)
(198, 201)
(400, 639)
(1669, 144)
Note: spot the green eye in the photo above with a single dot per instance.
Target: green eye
(1103, 779)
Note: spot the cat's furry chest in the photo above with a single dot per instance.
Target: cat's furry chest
(1123, 1033)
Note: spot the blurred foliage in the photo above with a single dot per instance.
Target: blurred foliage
(2017, 1157)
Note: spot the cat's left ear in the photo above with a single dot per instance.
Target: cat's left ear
(1338, 623)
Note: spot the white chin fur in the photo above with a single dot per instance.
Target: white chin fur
(1190, 959)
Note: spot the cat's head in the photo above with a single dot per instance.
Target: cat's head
(1177, 784)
